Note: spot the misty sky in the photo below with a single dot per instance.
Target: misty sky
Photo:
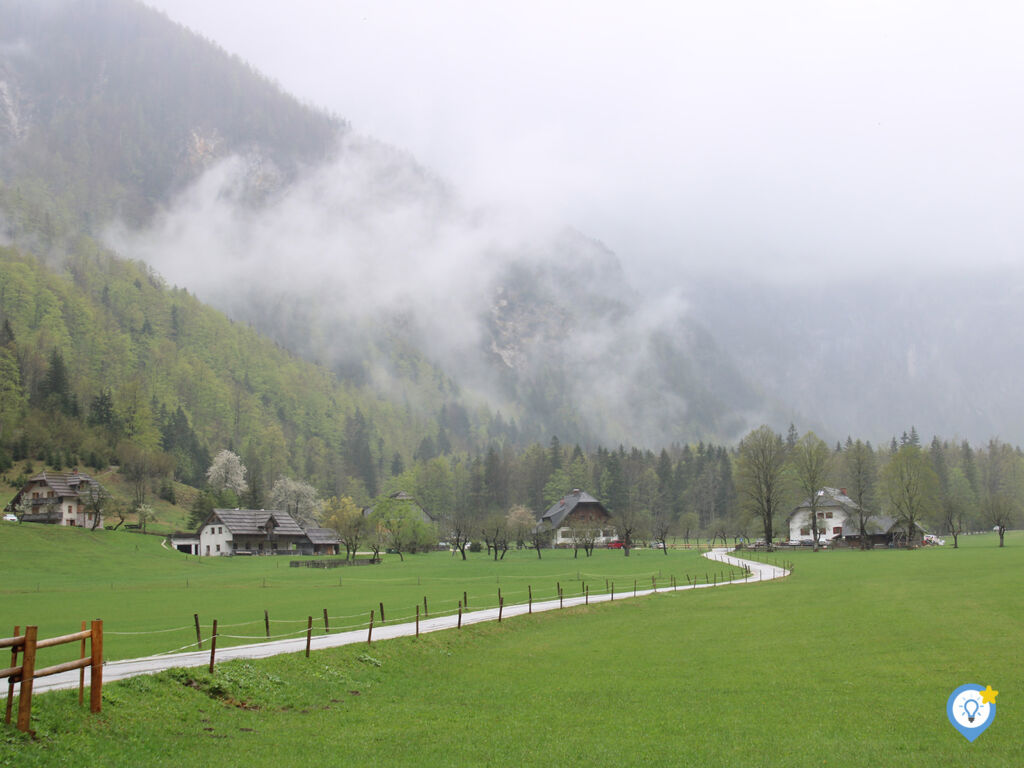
(787, 138)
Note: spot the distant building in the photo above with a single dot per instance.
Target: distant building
(59, 498)
(576, 510)
(837, 516)
(255, 532)
(834, 510)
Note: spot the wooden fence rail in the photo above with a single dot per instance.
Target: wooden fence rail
(26, 673)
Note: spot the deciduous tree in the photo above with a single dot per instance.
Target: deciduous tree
(761, 477)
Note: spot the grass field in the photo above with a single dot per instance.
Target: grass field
(848, 662)
(55, 577)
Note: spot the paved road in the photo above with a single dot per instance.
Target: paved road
(119, 670)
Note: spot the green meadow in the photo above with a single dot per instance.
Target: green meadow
(848, 662)
(148, 595)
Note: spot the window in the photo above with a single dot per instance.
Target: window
(828, 515)
(838, 530)
(71, 510)
(218, 547)
(805, 531)
(821, 515)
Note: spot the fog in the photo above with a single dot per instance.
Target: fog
(815, 183)
(788, 140)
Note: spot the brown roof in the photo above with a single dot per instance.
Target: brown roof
(322, 536)
(66, 483)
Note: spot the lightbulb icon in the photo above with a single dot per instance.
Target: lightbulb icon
(971, 708)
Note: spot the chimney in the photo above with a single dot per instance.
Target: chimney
(842, 491)
(575, 491)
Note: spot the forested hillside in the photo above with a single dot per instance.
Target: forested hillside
(103, 361)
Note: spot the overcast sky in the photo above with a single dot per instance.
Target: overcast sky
(818, 137)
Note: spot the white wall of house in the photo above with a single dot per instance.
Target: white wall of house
(215, 539)
(830, 524)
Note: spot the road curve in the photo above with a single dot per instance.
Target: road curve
(148, 665)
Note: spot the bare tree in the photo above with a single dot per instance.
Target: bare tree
(810, 460)
(661, 525)
(910, 484)
(861, 471)
(1002, 483)
(539, 538)
(761, 476)
(520, 522)
(496, 534)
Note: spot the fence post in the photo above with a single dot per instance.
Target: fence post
(382, 613)
(586, 595)
(501, 605)
(199, 637)
(426, 613)
(309, 633)
(465, 600)
(417, 621)
(213, 644)
(10, 680)
(613, 591)
(634, 587)
(327, 626)
(460, 614)
(530, 592)
(369, 633)
(96, 668)
(266, 621)
(28, 668)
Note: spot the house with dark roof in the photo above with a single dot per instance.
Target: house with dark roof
(251, 532)
(323, 541)
(59, 498)
(574, 511)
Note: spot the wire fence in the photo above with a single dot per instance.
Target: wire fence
(588, 587)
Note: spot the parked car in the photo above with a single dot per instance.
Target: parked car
(11, 518)
(615, 544)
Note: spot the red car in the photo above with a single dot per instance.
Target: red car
(615, 544)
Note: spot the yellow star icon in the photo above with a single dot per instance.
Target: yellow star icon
(988, 696)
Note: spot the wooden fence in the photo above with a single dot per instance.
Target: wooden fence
(26, 673)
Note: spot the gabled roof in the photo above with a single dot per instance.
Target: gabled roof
(66, 483)
(876, 525)
(322, 536)
(562, 508)
(253, 522)
(829, 498)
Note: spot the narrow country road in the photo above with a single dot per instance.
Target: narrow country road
(119, 670)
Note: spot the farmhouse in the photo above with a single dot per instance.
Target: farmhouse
(834, 509)
(251, 532)
(837, 521)
(573, 512)
(60, 498)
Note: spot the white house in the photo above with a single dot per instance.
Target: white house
(60, 498)
(578, 510)
(250, 532)
(834, 511)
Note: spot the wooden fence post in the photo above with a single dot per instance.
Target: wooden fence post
(266, 621)
(327, 626)
(613, 591)
(199, 637)
(586, 595)
(369, 633)
(426, 613)
(381, 613)
(309, 633)
(529, 590)
(213, 645)
(501, 605)
(96, 667)
(460, 614)
(417, 620)
(28, 668)
(465, 600)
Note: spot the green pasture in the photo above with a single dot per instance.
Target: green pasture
(848, 662)
(55, 577)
